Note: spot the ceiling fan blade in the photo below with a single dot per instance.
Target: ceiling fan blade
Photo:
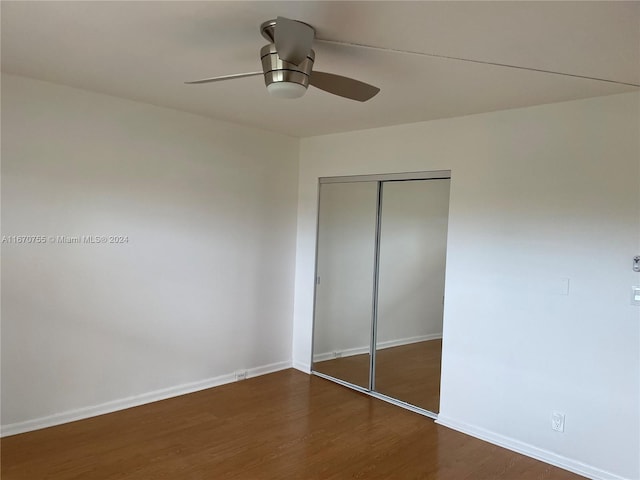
(224, 77)
(343, 86)
(293, 40)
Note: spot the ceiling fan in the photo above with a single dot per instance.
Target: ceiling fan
(287, 65)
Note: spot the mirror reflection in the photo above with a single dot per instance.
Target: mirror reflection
(344, 283)
(411, 273)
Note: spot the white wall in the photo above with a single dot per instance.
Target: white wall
(204, 285)
(537, 195)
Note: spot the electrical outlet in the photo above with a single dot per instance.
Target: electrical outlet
(241, 375)
(557, 421)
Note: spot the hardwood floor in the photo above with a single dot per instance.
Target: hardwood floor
(410, 373)
(286, 425)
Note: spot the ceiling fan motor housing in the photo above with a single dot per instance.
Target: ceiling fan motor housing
(283, 78)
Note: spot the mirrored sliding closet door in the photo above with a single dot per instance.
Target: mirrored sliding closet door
(344, 276)
(413, 243)
(380, 285)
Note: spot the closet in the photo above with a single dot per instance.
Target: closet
(380, 271)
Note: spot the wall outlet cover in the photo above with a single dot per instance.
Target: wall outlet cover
(557, 421)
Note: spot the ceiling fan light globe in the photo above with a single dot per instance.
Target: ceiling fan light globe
(286, 89)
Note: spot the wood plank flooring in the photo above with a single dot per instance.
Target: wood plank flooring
(286, 425)
(410, 373)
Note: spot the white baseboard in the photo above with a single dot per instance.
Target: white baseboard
(269, 368)
(134, 401)
(321, 357)
(529, 450)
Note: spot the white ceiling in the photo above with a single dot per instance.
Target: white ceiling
(146, 50)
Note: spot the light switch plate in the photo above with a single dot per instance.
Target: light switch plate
(635, 296)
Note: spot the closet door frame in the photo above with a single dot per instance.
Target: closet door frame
(380, 179)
